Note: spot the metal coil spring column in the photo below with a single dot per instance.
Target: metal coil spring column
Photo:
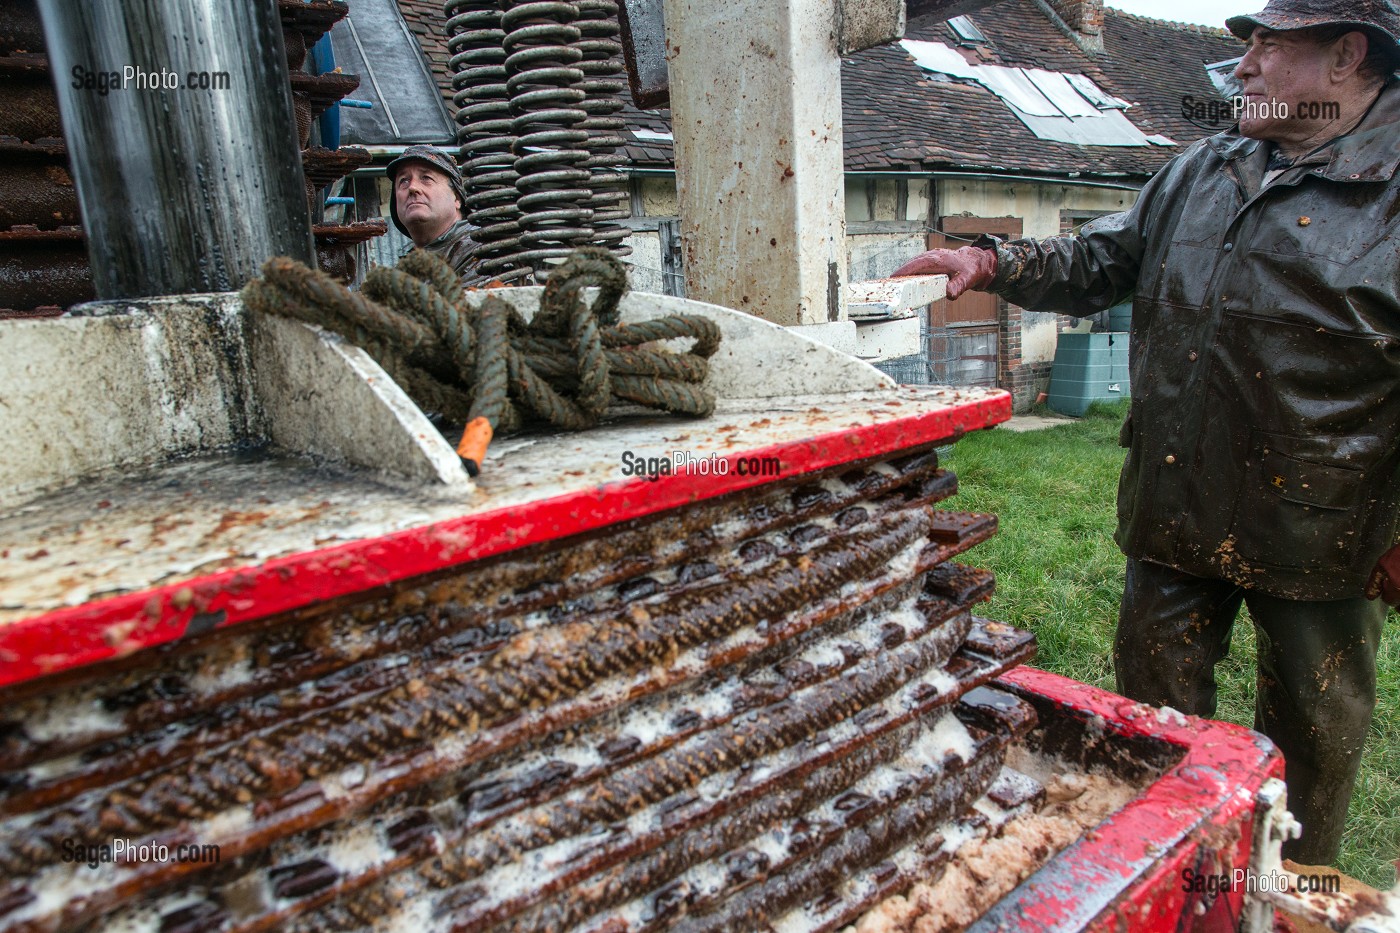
(546, 98)
(485, 134)
(603, 82)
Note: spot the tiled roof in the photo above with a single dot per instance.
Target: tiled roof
(648, 153)
(1151, 63)
(898, 116)
(1155, 63)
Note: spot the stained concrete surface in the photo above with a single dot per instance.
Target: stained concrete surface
(1036, 422)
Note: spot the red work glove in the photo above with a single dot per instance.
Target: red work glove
(971, 267)
(1385, 578)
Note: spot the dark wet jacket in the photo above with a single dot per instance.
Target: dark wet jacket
(1265, 356)
(456, 247)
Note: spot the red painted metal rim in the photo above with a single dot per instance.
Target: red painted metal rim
(64, 639)
(1132, 866)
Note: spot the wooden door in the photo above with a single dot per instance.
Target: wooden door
(964, 335)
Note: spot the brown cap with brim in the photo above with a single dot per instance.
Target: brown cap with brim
(438, 160)
(1379, 19)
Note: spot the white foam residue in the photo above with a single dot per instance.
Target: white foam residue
(414, 915)
(509, 880)
(1168, 716)
(776, 846)
(823, 654)
(212, 678)
(452, 745)
(906, 617)
(939, 680)
(728, 530)
(908, 858)
(952, 735)
(231, 822)
(335, 786)
(714, 704)
(648, 724)
(903, 564)
(60, 885)
(800, 920)
(48, 770)
(929, 750)
(956, 835)
(1094, 728)
(358, 849)
(583, 756)
(884, 782)
(642, 822)
(707, 878)
(61, 720)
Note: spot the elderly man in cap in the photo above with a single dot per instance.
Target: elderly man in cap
(1263, 439)
(428, 205)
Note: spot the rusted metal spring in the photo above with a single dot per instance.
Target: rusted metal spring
(485, 134)
(538, 84)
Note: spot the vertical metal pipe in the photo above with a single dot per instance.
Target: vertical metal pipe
(180, 132)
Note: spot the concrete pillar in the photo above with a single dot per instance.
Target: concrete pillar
(756, 111)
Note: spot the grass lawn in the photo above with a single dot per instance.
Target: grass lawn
(1060, 575)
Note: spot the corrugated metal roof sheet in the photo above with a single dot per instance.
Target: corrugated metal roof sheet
(1050, 105)
(374, 43)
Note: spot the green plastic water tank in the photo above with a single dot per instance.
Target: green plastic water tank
(1088, 368)
(1120, 316)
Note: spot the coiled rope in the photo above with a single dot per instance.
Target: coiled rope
(484, 365)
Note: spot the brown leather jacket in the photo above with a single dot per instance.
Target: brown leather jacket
(1264, 432)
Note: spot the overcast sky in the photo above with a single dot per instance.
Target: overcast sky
(1205, 12)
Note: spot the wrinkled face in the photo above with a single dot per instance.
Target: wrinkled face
(1286, 88)
(426, 203)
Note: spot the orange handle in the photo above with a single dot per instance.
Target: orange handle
(472, 448)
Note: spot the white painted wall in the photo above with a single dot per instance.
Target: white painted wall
(871, 256)
(659, 195)
(645, 262)
(1037, 203)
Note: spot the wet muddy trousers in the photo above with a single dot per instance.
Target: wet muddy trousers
(1316, 679)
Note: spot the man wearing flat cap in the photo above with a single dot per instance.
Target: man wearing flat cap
(427, 205)
(1263, 439)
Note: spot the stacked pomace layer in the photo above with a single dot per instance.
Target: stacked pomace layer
(741, 714)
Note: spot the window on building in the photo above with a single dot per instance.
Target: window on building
(966, 31)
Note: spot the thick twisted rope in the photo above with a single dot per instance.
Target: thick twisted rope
(484, 365)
